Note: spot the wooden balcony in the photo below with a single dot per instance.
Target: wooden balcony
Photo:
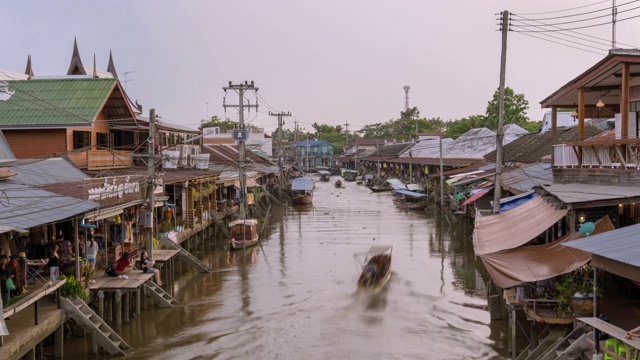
(615, 163)
(102, 159)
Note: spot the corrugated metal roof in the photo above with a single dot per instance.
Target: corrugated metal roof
(475, 143)
(55, 101)
(622, 245)
(5, 149)
(531, 148)
(578, 193)
(564, 119)
(428, 148)
(526, 177)
(38, 172)
(25, 207)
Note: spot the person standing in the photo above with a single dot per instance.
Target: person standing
(54, 264)
(91, 250)
(6, 272)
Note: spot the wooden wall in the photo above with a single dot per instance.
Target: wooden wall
(36, 143)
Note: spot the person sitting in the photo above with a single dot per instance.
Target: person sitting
(146, 265)
(123, 267)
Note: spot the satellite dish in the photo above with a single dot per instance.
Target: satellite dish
(587, 228)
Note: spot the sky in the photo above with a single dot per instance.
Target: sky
(330, 62)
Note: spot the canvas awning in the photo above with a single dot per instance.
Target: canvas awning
(475, 197)
(508, 268)
(410, 193)
(493, 233)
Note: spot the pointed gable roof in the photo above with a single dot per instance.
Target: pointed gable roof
(29, 70)
(76, 67)
(111, 67)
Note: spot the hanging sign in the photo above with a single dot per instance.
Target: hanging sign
(115, 190)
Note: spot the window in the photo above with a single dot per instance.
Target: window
(102, 141)
(81, 139)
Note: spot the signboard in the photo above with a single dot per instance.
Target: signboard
(115, 190)
(240, 134)
(250, 199)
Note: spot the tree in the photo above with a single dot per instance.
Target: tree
(215, 121)
(461, 126)
(515, 109)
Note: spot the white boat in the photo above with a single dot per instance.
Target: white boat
(376, 267)
(243, 234)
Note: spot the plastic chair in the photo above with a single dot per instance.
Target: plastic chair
(612, 345)
(622, 351)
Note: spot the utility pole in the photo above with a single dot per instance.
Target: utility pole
(441, 170)
(240, 136)
(406, 97)
(346, 126)
(500, 132)
(280, 155)
(295, 122)
(151, 168)
(614, 13)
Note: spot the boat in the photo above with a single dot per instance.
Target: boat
(409, 200)
(243, 234)
(359, 180)
(349, 175)
(338, 183)
(376, 267)
(324, 175)
(302, 191)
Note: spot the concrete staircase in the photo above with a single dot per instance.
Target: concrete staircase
(105, 336)
(185, 255)
(162, 297)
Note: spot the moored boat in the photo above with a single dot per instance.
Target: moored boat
(409, 200)
(376, 267)
(324, 175)
(338, 183)
(243, 233)
(302, 191)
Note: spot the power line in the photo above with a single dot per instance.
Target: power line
(575, 21)
(575, 8)
(588, 12)
(575, 28)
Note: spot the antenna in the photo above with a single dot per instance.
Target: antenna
(406, 97)
(126, 80)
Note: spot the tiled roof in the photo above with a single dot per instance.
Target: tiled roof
(531, 148)
(55, 101)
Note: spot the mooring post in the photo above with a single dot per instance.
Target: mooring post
(125, 307)
(118, 310)
(58, 349)
(101, 304)
(138, 301)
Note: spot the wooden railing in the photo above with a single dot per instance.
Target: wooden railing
(614, 156)
(102, 159)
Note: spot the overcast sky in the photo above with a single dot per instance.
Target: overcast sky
(329, 61)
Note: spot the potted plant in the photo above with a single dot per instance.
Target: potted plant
(575, 290)
(73, 288)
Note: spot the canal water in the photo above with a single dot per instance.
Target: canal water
(296, 298)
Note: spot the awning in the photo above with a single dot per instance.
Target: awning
(398, 186)
(24, 207)
(508, 268)
(617, 251)
(112, 210)
(493, 233)
(475, 197)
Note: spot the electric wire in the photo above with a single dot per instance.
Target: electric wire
(574, 28)
(574, 8)
(590, 12)
(575, 21)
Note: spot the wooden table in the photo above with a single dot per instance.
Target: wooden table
(612, 331)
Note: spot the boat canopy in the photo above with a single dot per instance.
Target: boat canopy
(539, 262)
(324, 172)
(395, 181)
(380, 249)
(414, 187)
(410, 193)
(246, 222)
(398, 186)
(304, 184)
(493, 233)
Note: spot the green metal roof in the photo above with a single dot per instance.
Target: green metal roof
(54, 101)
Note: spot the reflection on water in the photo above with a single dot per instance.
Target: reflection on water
(298, 298)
